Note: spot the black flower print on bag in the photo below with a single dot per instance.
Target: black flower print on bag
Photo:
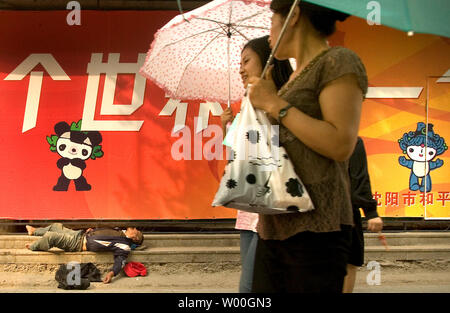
(231, 183)
(294, 188)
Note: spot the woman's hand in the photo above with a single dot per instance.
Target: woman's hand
(375, 224)
(263, 94)
(226, 116)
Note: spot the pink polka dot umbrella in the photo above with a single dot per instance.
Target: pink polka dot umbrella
(196, 56)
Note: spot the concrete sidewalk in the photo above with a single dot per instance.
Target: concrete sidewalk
(409, 278)
(210, 263)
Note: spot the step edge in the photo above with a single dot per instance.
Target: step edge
(237, 236)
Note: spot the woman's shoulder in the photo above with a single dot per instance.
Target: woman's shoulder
(339, 54)
(340, 61)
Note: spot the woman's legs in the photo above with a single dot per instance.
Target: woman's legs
(307, 263)
(356, 258)
(349, 281)
(268, 274)
(249, 241)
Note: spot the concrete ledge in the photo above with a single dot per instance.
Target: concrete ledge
(163, 240)
(212, 248)
(408, 253)
(204, 255)
(232, 240)
(409, 238)
(156, 255)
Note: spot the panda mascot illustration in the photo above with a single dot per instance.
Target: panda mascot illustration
(75, 147)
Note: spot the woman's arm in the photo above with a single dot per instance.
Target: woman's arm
(340, 101)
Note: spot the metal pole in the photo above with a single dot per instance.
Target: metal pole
(283, 30)
(181, 10)
(425, 193)
(229, 72)
(228, 52)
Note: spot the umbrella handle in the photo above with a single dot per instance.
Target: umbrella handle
(283, 30)
(181, 10)
(229, 71)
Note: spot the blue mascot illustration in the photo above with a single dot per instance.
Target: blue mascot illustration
(421, 158)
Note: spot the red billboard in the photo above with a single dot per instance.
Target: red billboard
(74, 91)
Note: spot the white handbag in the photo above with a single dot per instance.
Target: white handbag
(259, 176)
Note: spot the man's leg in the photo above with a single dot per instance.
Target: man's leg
(64, 241)
(55, 227)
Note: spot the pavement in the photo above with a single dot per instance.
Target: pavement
(416, 262)
(389, 279)
(197, 291)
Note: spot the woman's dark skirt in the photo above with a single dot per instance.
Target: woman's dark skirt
(357, 249)
(304, 263)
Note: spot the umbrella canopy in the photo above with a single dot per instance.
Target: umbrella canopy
(419, 16)
(197, 54)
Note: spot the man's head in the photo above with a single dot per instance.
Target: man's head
(135, 235)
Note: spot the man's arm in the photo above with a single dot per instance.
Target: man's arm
(361, 190)
(102, 240)
(108, 277)
(120, 256)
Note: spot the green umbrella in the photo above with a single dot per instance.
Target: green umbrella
(418, 16)
(412, 16)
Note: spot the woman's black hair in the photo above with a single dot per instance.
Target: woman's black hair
(323, 19)
(282, 69)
